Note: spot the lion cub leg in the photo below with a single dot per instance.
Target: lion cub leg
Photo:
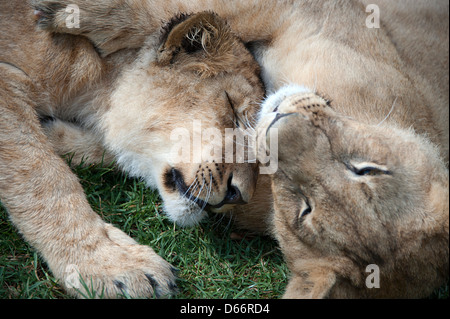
(109, 25)
(83, 146)
(47, 204)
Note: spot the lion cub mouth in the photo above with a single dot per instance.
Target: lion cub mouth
(174, 180)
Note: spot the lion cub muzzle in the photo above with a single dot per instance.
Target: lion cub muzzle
(212, 182)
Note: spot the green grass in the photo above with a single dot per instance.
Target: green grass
(211, 264)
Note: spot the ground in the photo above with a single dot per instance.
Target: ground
(212, 264)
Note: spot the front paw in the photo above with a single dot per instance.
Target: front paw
(119, 267)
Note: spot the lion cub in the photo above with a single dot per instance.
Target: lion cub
(361, 211)
(120, 103)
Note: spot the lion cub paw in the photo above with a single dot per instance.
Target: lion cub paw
(119, 268)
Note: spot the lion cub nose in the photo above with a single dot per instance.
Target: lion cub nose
(233, 195)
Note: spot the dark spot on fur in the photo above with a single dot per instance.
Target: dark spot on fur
(46, 120)
(168, 27)
(120, 285)
(154, 285)
(173, 180)
(175, 271)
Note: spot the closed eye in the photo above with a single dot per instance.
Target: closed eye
(230, 102)
(304, 211)
(368, 169)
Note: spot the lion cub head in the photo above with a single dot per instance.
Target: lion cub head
(170, 111)
(360, 210)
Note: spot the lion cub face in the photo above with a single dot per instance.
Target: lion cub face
(350, 196)
(170, 110)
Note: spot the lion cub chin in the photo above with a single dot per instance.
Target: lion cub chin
(361, 210)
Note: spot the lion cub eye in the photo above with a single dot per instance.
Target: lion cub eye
(368, 169)
(231, 104)
(305, 210)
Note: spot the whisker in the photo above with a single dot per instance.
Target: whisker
(200, 191)
(206, 200)
(190, 187)
(230, 220)
(195, 200)
(249, 125)
(218, 222)
(390, 112)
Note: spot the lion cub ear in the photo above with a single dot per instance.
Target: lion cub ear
(201, 42)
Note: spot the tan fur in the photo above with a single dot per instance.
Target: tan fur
(396, 220)
(389, 92)
(312, 32)
(393, 82)
(119, 106)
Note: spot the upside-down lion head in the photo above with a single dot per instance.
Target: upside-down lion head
(360, 210)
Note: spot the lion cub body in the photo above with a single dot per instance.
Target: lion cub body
(361, 186)
(62, 94)
(362, 181)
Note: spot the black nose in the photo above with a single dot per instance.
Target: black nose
(233, 195)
